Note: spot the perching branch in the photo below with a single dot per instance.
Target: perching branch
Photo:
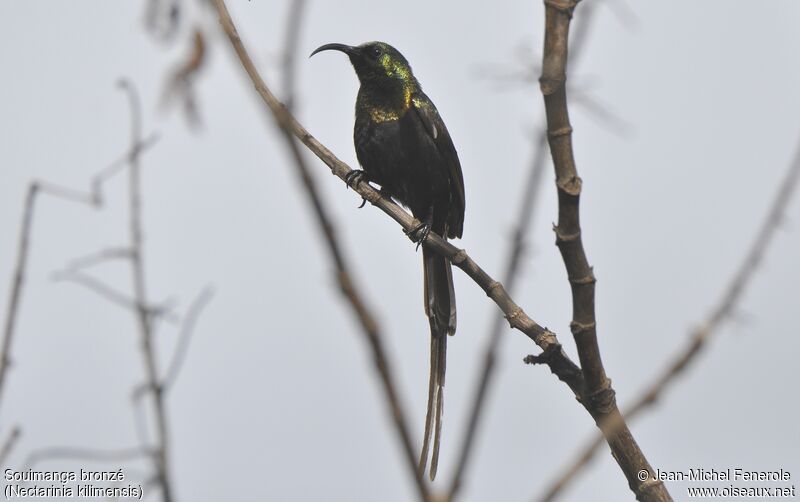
(700, 336)
(597, 394)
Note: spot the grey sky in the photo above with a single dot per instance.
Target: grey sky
(278, 399)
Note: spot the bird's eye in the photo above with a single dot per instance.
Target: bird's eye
(376, 52)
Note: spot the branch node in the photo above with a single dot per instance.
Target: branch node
(646, 486)
(513, 315)
(565, 6)
(546, 357)
(603, 400)
(494, 286)
(583, 281)
(578, 328)
(459, 257)
(571, 185)
(549, 85)
(563, 131)
(562, 237)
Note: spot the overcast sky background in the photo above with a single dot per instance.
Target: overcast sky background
(278, 399)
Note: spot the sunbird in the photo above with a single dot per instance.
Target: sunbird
(403, 145)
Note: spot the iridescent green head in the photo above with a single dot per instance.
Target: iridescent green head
(377, 64)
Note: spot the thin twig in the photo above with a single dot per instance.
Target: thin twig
(294, 24)
(598, 394)
(9, 443)
(112, 295)
(369, 325)
(98, 257)
(93, 198)
(698, 338)
(17, 281)
(143, 318)
(119, 165)
(67, 193)
(187, 330)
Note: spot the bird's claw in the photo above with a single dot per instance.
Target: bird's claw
(419, 234)
(353, 178)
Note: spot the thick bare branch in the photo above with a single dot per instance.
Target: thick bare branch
(698, 338)
(530, 194)
(598, 395)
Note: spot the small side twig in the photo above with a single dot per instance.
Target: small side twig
(699, 337)
(112, 295)
(102, 256)
(187, 330)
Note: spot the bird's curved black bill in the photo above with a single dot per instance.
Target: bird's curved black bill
(347, 49)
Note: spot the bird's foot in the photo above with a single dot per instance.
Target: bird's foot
(354, 177)
(419, 234)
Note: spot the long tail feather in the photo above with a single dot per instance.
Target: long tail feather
(440, 307)
(433, 390)
(440, 371)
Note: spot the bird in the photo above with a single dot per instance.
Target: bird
(403, 145)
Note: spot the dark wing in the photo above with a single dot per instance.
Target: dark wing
(437, 131)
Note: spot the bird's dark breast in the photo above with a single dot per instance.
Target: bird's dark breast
(399, 155)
